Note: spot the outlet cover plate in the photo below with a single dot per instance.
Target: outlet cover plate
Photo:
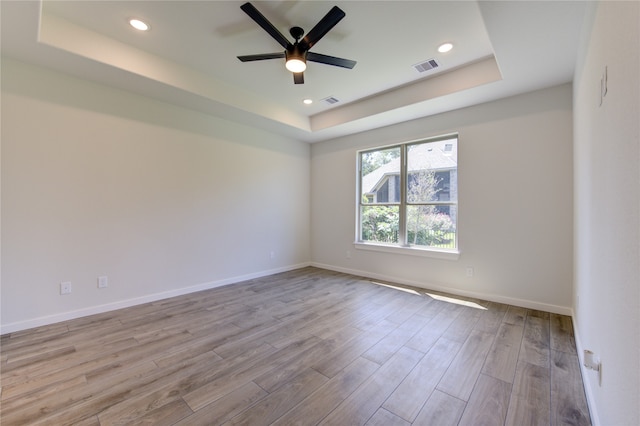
(103, 282)
(65, 287)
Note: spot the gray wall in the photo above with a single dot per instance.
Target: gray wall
(515, 202)
(607, 211)
(161, 199)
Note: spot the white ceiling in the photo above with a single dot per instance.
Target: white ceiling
(189, 55)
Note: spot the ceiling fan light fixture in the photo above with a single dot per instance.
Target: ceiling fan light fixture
(296, 65)
(296, 53)
(295, 60)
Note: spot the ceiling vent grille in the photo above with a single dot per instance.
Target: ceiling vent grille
(427, 65)
(331, 100)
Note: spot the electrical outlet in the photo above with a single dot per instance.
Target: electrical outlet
(604, 83)
(65, 287)
(272, 254)
(592, 362)
(469, 271)
(348, 254)
(103, 281)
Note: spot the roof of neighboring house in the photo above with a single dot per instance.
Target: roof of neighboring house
(432, 155)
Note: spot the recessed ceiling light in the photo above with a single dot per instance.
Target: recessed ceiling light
(138, 24)
(307, 101)
(445, 47)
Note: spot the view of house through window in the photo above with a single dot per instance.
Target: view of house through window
(409, 194)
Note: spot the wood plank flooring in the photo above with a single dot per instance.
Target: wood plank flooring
(304, 347)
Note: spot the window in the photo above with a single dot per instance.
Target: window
(408, 194)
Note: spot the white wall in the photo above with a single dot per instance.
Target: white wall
(161, 199)
(607, 211)
(515, 202)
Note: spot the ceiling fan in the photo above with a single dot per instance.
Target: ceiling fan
(297, 54)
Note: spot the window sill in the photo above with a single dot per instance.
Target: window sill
(411, 251)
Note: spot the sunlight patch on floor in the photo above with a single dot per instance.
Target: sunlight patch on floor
(439, 297)
(456, 301)
(406, 290)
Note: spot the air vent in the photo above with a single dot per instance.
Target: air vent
(426, 65)
(331, 100)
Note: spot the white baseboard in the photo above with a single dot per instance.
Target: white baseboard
(562, 310)
(64, 316)
(92, 310)
(591, 403)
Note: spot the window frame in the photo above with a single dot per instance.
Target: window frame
(403, 246)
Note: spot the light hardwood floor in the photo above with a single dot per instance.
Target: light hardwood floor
(304, 347)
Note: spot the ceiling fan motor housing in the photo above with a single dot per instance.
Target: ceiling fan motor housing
(295, 52)
(295, 58)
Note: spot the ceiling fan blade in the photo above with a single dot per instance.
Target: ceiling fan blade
(261, 57)
(330, 60)
(254, 14)
(298, 77)
(329, 21)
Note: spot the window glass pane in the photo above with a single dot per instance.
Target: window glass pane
(380, 178)
(380, 223)
(432, 171)
(432, 226)
(408, 194)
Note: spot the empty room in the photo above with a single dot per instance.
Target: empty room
(320, 213)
